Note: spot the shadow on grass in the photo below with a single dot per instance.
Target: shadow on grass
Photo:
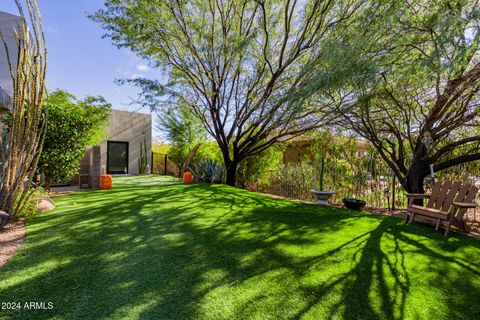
(169, 251)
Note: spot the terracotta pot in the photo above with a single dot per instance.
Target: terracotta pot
(105, 181)
(187, 177)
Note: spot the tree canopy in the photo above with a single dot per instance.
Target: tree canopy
(417, 81)
(236, 64)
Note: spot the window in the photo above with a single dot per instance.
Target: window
(117, 157)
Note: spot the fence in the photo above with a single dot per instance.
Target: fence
(161, 164)
(371, 181)
(296, 180)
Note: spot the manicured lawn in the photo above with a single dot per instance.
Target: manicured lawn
(153, 248)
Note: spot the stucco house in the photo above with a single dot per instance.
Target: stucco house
(8, 22)
(119, 153)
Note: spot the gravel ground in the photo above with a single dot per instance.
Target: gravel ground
(11, 238)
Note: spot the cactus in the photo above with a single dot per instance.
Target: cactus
(142, 161)
(322, 167)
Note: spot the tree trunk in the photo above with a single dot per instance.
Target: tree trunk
(231, 169)
(48, 182)
(192, 154)
(414, 180)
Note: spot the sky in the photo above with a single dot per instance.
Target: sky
(80, 61)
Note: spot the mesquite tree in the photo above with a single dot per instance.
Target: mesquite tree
(236, 64)
(27, 123)
(416, 84)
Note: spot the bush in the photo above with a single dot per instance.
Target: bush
(72, 126)
(257, 169)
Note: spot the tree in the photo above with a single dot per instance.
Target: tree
(72, 126)
(185, 133)
(415, 93)
(236, 64)
(26, 129)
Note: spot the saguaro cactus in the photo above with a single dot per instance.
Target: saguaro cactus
(322, 168)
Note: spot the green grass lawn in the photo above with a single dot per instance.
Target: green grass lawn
(151, 248)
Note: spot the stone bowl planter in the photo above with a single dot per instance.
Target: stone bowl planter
(322, 196)
(354, 204)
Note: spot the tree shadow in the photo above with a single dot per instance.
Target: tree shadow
(176, 251)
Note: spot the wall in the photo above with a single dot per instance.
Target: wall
(298, 150)
(7, 23)
(131, 127)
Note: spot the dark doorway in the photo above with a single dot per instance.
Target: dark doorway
(117, 157)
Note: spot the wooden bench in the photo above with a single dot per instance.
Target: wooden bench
(446, 205)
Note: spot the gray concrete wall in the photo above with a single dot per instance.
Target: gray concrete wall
(131, 127)
(7, 23)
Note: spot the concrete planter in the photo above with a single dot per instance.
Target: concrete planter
(322, 196)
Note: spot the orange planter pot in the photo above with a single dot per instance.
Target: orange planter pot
(105, 181)
(187, 177)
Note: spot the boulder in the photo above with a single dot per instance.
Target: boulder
(45, 204)
(3, 219)
(3, 215)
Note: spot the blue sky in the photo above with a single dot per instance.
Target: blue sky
(80, 61)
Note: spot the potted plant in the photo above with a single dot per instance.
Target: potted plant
(321, 195)
(359, 178)
(354, 204)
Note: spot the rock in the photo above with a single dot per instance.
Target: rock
(45, 204)
(3, 219)
(3, 215)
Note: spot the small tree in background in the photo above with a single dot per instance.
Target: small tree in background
(73, 126)
(185, 132)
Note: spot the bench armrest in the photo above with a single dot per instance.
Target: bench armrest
(465, 204)
(417, 195)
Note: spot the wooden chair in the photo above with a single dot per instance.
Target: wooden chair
(446, 206)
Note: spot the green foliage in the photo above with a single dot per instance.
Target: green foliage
(29, 210)
(258, 168)
(239, 74)
(73, 125)
(160, 147)
(142, 160)
(412, 69)
(209, 149)
(183, 130)
(208, 170)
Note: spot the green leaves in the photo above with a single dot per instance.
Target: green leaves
(208, 170)
(72, 126)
